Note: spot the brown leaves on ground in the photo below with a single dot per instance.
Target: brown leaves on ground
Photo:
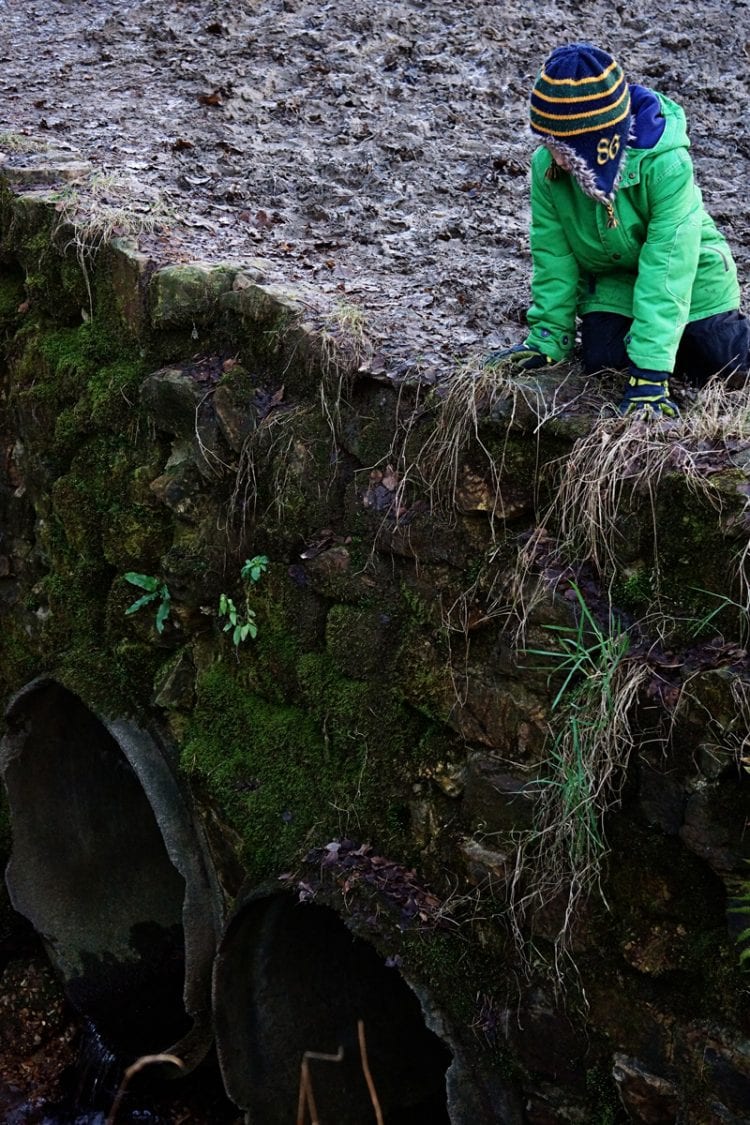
(356, 866)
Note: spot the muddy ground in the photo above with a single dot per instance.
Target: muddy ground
(377, 150)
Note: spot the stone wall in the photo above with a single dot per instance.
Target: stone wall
(550, 850)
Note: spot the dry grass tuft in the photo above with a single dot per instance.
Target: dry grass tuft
(93, 214)
(475, 395)
(559, 860)
(275, 439)
(617, 469)
(104, 208)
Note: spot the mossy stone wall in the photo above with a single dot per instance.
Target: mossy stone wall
(383, 700)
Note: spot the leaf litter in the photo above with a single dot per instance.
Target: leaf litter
(378, 151)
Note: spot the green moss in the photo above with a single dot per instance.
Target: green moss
(12, 296)
(19, 660)
(269, 768)
(287, 777)
(422, 609)
(56, 282)
(462, 978)
(604, 1105)
(71, 382)
(358, 713)
(360, 639)
(634, 591)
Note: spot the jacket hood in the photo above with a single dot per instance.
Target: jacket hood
(659, 125)
(648, 120)
(658, 122)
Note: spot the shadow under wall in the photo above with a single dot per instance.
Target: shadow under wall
(291, 978)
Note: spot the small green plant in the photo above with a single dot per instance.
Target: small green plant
(242, 627)
(700, 625)
(156, 591)
(561, 856)
(585, 650)
(739, 905)
(253, 569)
(242, 624)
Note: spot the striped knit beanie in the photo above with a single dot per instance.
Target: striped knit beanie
(580, 105)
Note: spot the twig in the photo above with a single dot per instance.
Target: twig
(306, 1096)
(367, 1074)
(138, 1065)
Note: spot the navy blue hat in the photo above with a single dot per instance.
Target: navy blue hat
(580, 105)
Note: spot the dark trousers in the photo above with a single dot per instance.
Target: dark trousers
(717, 344)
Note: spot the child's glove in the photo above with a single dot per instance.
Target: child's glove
(648, 391)
(520, 356)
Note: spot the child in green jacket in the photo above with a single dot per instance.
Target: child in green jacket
(621, 239)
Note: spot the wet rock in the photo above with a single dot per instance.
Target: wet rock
(235, 415)
(180, 487)
(661, 799)
(428, 819)
(51, 166)
(172, 397)
(495, 800)
(498, 713)
(186, 296)
(657, 949)
(549, 1045)
(714, 817)
(485, 865)
(648, 1098)
(548, 1105)
(126, 273)
(36, 1031)
(450, 778)
(725, 1065)
(415, 533)
(331, 573)
(474, 493)
(174, 688)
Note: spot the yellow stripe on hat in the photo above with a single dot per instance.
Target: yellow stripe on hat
(560, 117)
(579, 81)
(566, 133)
(578, 97)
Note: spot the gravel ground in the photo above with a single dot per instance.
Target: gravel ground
(376, 150)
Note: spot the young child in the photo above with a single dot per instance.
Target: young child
(621, 239)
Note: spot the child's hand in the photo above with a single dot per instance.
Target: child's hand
(520, 356)
(648, 391)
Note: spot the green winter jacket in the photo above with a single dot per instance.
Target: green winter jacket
(664, 264)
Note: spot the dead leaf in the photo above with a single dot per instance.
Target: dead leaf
(390, 479)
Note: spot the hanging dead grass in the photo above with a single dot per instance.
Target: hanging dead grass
(105, 207)
(442, 435)
(613, 471)
(559, 861)
(274, 440)
(475, 396)
(616, 471)
(344, 347)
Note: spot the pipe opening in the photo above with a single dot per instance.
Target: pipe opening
(292, 978)
(91, 871)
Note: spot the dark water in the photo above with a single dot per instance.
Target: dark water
(90, 1088)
